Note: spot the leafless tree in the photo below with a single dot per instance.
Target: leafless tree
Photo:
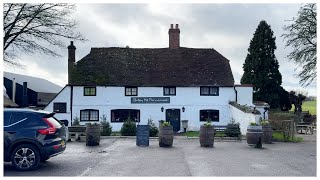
(37, 28)
(302, 36)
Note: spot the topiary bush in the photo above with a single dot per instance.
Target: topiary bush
(128, 128)
(233, 129)
(106, 127)
(153, 130)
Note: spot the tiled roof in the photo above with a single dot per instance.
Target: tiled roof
(152, 67)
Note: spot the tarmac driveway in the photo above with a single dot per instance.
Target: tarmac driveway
(121, 157)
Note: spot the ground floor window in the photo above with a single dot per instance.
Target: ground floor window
(209, 114)
(89, 115)
(121, 115)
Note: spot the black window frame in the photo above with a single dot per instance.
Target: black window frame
(113, 111)
(89, 87)
(169, 87)
(130, 87)
(209, 94)
(90, 110)
(60, 103)
(213, 120)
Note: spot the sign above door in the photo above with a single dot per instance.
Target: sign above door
(150, 100)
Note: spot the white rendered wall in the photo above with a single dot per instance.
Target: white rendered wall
(243, 118)
(245, 95)
(108, 98)
(261, 110)
(64, 97)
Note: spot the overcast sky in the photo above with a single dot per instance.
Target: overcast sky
(228, 28)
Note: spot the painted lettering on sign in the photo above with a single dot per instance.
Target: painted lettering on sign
(145, 100)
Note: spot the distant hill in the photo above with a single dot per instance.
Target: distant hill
(34, 83)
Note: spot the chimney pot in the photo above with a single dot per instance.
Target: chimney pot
(177, 26)
(71, 43)
(171, 27)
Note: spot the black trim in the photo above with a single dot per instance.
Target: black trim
(201, 94)
(214, 111)
(131, 87)
(164, 92)
(84, 90)
(90, 110)
(60, 107)
(112, 120)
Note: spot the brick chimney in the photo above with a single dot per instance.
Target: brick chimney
(174, 37)
(71, 58)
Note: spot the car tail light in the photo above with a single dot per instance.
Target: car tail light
(50, 130)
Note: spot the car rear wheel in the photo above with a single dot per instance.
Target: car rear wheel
(25, 157)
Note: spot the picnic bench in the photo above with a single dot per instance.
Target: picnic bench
(306, 127)
(222, 129)
(76, 132)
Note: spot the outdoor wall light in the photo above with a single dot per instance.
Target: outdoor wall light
(183, 109)
(162, 109)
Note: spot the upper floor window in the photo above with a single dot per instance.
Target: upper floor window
(209, 115)
(89, 115)
(209, 91)
(89, 91)
(131, 91)
(59, 107)
(169, 91)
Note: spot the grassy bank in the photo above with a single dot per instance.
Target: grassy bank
(310, 106)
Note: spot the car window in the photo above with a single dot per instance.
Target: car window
(6, 118)
(33, 120)
(16, 118)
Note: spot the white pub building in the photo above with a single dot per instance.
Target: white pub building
(172, 83)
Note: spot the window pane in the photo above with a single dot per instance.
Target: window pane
(172, 91)
(121, 115)
(166, 91)
(84, 116)
(213, 90)
(204, 90)
(212, 115)
(94, 115)
(134, 91)
(128, 91)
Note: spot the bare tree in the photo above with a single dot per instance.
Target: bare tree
(302, 36)
(37, 28)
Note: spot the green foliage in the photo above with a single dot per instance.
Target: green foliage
(153, 130)
(128, 128)
(261, 67)
(302, 36)
(207, 124)
(166, 124)
(244, 108)
(233, 129)
(278, 136)
(264, 123)
(253, 124)
(76, 121)
(106, 127)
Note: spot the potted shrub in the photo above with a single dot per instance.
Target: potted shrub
(254, 135)
(206, 136)
(128, 128)
(165, 135)
(233, 129)
(267, 132)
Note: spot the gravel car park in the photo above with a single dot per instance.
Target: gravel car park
(121, 157)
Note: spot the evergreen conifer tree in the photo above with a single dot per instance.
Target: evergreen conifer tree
(261, 67)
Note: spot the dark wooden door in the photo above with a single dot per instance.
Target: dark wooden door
(173, 116)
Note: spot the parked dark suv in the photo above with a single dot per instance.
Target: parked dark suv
(31, 136)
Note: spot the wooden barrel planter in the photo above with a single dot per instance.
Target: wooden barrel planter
(206, 136)
(267, 134)
(92, 134)
(165, 136)
(254, 136)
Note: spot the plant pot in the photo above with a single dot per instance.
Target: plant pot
(267, 134)
(254, 136)
(165, 136)
(206, 136)
(92, 134)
